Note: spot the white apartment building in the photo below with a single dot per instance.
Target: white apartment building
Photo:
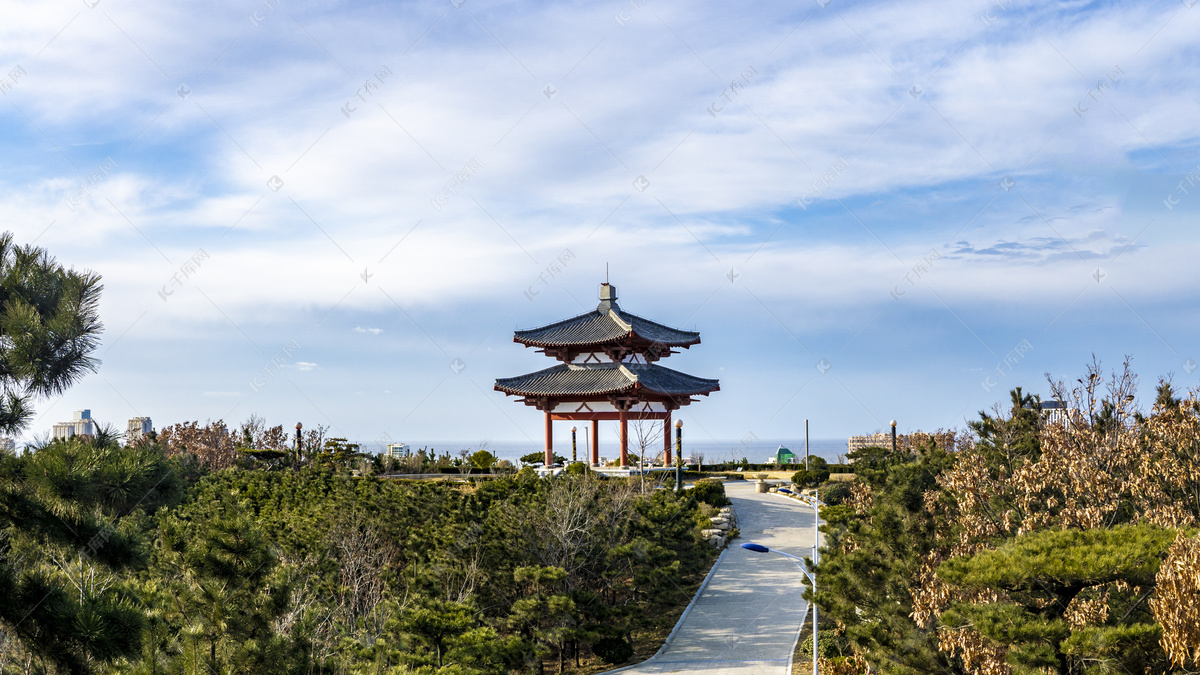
(81, 424)
(1057, 412)
(138, 427)
(878, 440)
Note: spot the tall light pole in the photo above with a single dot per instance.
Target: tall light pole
(759, 548)
(806, 445)
(678, 455)
(893, 437)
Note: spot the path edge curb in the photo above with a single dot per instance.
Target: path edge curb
(796, 642)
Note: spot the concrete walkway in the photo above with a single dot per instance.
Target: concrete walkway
(747, 618)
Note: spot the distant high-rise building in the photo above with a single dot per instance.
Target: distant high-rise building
(138, 427)
(397, 450)
(1057, 412)
(81, 425)
(914, 441)
(879, 440)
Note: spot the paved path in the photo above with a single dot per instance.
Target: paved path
(746, 619)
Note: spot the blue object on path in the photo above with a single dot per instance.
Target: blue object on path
(757, 548)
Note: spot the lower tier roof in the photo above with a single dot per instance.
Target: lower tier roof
(602, 379)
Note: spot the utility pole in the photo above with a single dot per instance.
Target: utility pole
(816, 544)
(806, 445)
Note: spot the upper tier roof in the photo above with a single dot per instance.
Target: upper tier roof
(607, 324)
(602, 379)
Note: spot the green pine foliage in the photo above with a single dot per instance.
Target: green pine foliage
(49, 326)
(540, 458)
(310, 569)
(816, 473)
(711, 491)
(871, 559)
(73, 520)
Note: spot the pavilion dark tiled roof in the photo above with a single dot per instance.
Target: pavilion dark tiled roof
(605, 325)
(605, 379)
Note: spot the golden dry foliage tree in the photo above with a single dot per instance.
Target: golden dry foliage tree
(1177, 602)
(1060, 535)
(1169, 483)
(214, 445)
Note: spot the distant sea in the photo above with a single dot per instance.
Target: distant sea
(756, 450)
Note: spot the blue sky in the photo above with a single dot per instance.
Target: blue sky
(864, 207)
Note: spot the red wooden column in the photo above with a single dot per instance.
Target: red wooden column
(667, 439)
(624, 418)
(595, 442)
(549, 440)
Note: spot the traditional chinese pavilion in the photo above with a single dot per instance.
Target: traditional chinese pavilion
(608, 371)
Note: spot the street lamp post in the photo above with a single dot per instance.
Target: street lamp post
(678, 455)
(893, 436)
(759, 548)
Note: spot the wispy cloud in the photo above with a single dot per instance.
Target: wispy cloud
(266, 136)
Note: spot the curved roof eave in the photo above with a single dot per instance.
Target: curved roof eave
(602, 328)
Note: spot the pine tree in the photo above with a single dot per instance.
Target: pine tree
(873, 551)
(49, 326)
(224, 592)
(1040, 575)
(70, 513)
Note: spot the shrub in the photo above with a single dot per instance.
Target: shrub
(711, 492)
(811, 478)
(834, 492)
(613, 650)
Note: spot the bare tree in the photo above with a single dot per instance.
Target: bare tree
(274, 438)
(646, 434)
(213, 444)
(252, 432)
(363, 558)
(584, 516)
(312, 443)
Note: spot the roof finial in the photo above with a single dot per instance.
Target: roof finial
(608, 296)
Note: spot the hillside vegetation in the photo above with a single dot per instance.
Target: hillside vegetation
(1032, 547)
(140, 559)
